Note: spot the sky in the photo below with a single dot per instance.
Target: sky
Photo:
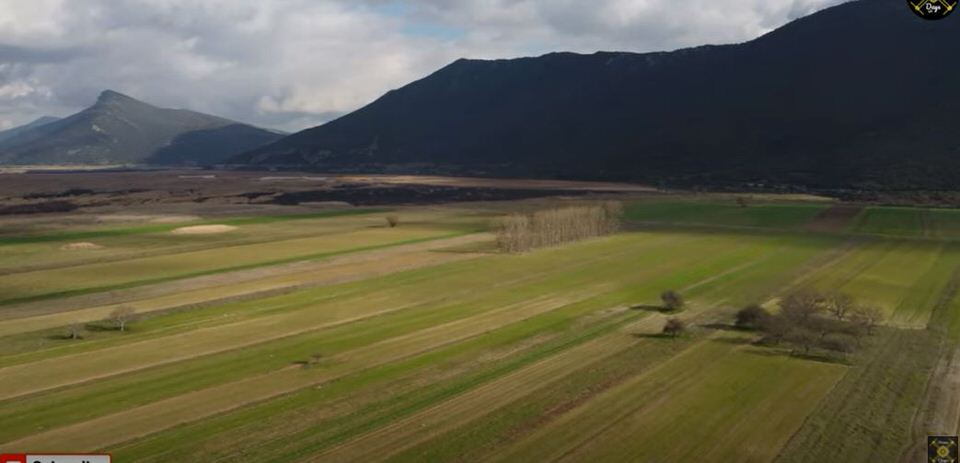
(293, 64)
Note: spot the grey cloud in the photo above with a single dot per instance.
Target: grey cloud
(37, 55)
(294, 63)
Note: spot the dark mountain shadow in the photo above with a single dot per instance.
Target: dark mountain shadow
(212, 146)
(856, 95)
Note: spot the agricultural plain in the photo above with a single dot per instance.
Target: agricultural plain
(343, 336)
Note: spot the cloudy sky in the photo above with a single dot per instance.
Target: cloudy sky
(291, 64)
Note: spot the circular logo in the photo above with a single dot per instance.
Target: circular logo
(932, 9)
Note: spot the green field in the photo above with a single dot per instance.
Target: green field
(713, 213)
(333, 337)
(910, 222)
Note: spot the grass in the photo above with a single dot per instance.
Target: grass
(898, 221)
(868, 415)
(611, 298)
(902, 277)
(764, 215)
(163, 228)
(385, 393)
(476, 439)
(297, 310)
(910, 222)
(100, 277)
(702, 405)
(528, 357)
(943, 223)
(357, 266)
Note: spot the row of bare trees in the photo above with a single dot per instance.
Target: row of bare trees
(552, 227)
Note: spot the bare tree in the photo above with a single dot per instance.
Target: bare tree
(799, 307)
(674, 327)
(776, 328)
(393, 221)
(314, 359)
(613, 215)
(74, 330)
(839, 305)
(803, 322)
(512, 233)
(122, 316)
(867, 316)
(672, 300)
(552, 227)
(804, 339)
(840, 344)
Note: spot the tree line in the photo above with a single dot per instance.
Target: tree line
(553, 227)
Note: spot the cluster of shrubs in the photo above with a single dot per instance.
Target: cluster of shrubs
(552, 227)
(810, 320)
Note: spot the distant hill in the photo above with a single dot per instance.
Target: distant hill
(10, 133)
(119, 129)
(862, 94)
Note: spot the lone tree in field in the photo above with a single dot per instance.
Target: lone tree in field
(74, 329)
(751, 316)
(121, 316)
(393, 221)
(674, 327)
(313, 360)
(672, 300)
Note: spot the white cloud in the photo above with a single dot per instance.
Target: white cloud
(294, 63)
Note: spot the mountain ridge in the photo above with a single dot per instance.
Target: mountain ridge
(827, 100)
(13, 131)
(119, 129)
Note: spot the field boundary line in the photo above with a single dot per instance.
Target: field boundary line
(268, 385)
(150, 281)
(542, 372)
(10, 326)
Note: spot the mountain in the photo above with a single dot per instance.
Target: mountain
(10, 133)
(857, 95)
(119, 129)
